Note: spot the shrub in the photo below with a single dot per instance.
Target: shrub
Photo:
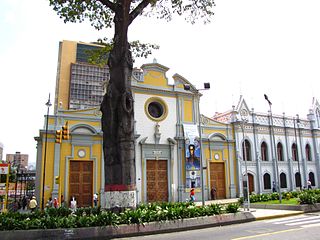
(286, 195)
(232, 208)
(307, 197)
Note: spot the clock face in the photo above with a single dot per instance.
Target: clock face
(81, 153)
(216, 156)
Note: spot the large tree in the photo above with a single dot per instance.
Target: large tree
(117, 106)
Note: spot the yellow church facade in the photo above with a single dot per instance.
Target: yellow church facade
(167, 149)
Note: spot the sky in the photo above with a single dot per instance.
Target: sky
(250, 48)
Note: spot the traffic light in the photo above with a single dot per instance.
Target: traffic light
(65, 132)
(57, 179)
(58, 136)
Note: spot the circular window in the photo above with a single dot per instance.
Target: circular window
(156, 109)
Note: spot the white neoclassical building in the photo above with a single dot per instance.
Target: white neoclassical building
(280, 150)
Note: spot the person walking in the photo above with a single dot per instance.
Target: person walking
(24, 203)
(95, 199)
(274, 187)
(309, 184)
(33, 204)
(55, 203)
(73, 204)
(213, 193)
(192, 198)
(49, 203)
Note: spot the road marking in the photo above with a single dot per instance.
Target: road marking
(297, 220)
(303, 222)
(267, 234)
(282, 219)
(311, 225)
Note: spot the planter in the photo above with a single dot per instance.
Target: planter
(305, 207)
(129, 230)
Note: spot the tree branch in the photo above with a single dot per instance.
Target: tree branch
(109, 4)
(135, 12)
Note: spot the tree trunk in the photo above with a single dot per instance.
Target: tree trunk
(118, 121)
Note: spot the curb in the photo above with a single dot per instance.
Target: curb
(278, 216)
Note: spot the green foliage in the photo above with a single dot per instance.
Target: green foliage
(100, 56)
(308, 197)
(101, 13)
(232, 208)
(89, 217)
(286, 195)
(58, 212)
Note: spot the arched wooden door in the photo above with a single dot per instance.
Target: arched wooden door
(81, 182)
(157, 181)
(251, 183)
(217, 179)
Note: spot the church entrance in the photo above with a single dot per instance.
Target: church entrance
(157, 181)
(81, 182)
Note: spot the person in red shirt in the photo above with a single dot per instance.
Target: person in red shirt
(192, 198)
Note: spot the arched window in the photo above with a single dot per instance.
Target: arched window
(294, 152)
(298, 179)
(280, 152)
(283, 180)
(266, 181)
(308, 152)
(311, 178)
(246, 152)
(264, 150)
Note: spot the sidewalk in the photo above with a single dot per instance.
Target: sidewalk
(258, 213)
(262, 214)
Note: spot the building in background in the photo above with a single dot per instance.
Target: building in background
(1, 151)
(18, 160)
(79, 85)
(278, 148)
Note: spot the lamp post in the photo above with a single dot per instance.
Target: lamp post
(245, 158)
(300, 141)
(188, 88)
(297, 153)
(48, 104)
(275, 149)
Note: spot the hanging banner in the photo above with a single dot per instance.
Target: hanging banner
(4, 168)
(192, 155)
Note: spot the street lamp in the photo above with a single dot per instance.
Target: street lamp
(297, 153)
(245, 158)
(275, 149)
(48, 104)
(187, 87)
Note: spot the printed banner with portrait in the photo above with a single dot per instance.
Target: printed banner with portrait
(192, 155)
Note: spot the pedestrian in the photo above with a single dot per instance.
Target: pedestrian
(24, 203)
(55, 203)
(33, 204)
(213, 193)
(273, 187)
(73, 204)
(95, 199)
(62, 202)
(309, 184)
(192, 198)
(49, 203)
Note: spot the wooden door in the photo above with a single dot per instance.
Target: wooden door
(81, 182)
(251, 183)
(157, 181)
(217, 179)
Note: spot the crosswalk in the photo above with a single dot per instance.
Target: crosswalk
(303, 221)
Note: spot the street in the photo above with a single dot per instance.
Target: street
(295, 227)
